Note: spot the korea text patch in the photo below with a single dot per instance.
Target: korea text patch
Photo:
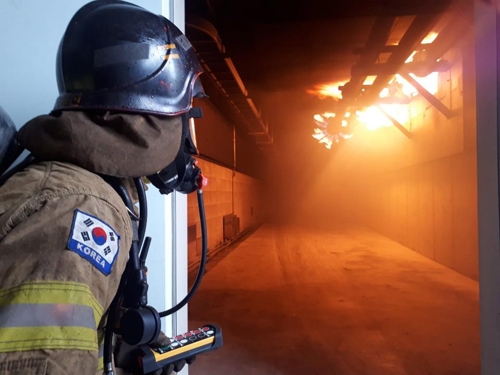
(94, 240)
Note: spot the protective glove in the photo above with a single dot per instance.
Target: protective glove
(177, 366)
(126, 358)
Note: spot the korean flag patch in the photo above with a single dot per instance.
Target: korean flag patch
(94, 240)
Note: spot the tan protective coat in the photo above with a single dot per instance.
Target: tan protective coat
(36, 212)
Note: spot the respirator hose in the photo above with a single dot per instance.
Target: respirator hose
(143, 209)
(203, 261)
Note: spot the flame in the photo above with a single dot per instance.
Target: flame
(410, 58)
(431, 37)
(328, 90)
(369, 80)
(372, 117)
(322, 133)
(375, 119)
(430, 82)
(398, 88)
(318, 118)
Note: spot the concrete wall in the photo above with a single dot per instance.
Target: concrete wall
(430, 204)
(224, 195)
(421, 192)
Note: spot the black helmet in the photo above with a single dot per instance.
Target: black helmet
(118, 56)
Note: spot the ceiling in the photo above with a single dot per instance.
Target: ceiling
(282, 50)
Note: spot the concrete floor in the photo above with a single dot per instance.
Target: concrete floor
(294, 300)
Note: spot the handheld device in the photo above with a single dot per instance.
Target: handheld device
(182, 347)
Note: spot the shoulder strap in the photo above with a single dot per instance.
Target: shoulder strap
(30, 159)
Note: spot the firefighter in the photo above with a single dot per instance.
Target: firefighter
(126, 80)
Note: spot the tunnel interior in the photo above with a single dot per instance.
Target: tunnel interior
(344, 139)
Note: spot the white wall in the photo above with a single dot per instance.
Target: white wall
(30, 32)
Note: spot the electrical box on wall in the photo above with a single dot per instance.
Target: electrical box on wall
(231, 227)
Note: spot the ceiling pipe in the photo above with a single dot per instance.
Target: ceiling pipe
(225, 77)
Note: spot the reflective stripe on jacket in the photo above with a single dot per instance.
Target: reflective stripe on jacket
(52, 299)
(49, 315)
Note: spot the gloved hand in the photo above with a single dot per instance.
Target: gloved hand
(126, 359)
(170, 368)
(125, 356)
(177, 366)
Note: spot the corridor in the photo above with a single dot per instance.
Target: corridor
(344, 301)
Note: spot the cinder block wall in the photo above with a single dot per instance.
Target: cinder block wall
(223, 196)
(249, 201)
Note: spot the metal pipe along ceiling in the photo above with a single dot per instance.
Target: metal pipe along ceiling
(223, 83)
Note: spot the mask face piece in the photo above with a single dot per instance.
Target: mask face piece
(182, 175)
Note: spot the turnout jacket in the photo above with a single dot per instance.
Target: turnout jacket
(65, 235)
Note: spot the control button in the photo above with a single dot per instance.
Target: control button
(201, 335)
(189, 334)
(174, 344)
(193, 338)
(210, 332)
(184, 341)
(205, 329)
(196, 331)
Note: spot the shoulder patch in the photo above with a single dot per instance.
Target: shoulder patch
(94, 240)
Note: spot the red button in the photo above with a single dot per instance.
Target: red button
(189, 334)
(196, 331)
(205, 329)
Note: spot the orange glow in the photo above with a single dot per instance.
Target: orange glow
(328, 90)
(369, 80)
(430, 82)
(431, 37)
(324, 135)
(372, 117)
(410, 58)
